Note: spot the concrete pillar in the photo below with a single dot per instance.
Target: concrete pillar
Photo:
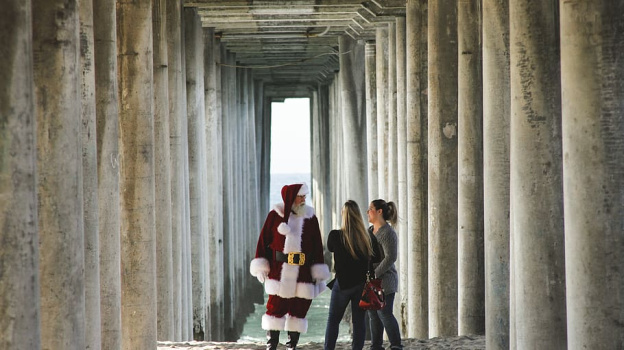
(138, 236)
(93, 329)
(196, 116)
(391, 137)
(20, 326)
(536, 177)
(381, 74)
(320, 161)
(471, 309)
(496, 121)
(353, 117)
(442, 28)
(56, 67)
(107, 114)
(401, 198)
(162, 172)
(214, 210)
(593, 170)
(177, 101)
(416, 168)
(371, 121)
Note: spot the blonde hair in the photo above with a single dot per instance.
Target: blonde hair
(354, 234)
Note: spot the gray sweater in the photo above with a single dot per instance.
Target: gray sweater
(387, 238)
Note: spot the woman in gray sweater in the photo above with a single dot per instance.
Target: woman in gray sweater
(379, 214)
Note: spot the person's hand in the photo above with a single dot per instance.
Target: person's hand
(261, 276)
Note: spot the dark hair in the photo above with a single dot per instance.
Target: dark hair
(388, 210)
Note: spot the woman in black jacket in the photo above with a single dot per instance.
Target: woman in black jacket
(354, 249)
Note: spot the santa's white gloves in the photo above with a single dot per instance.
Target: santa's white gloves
(261, 276)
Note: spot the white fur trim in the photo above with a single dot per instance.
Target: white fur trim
(303, 190)
(300, 290)
(320, 272)
(295, 324)
(258, 265)
(272, 323)
(283, 228)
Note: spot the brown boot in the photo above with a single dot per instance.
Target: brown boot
(293, 339)
(273, 340)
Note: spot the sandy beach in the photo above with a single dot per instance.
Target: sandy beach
(472, 342)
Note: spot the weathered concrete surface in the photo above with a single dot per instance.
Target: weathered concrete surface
(177, 103)
(353, 117)
(536, 178)
(20, 325)
(442, 29)
(107, 113)
(496, 127)
(136, 138)
(371, 120)
(471, 309)
(162, 174)
(56, 66)
(93, 330)
(381, 76)
(416, 140)
(391, 156)
(593, 168)
(196, 116)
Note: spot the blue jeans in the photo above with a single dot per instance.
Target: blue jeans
(337, 306)
(384, 318)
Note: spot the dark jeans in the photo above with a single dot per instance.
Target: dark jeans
(337, 306)
(384, 318)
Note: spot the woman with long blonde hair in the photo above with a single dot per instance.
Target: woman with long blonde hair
(353, 247)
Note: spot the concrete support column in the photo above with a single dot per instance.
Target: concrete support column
(162, 172)
(536, 177)
(138, 236)
(352, 92)
(20, 326)
(416, 168)
(371, 120)
(401, 198)
(593, 169)
(381, 74)
(93, 329)
(214, 209)
(320, 153)
(496, 121)
(391, 137)
(56, 67)
(107, 114)
(471, 309)
(196, 116)
(442, 173)
(177, 103)
(336, 150)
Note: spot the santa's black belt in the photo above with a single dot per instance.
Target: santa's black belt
(290, 258)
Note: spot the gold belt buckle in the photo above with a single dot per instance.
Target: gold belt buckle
(291, 259)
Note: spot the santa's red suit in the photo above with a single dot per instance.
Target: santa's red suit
(292, 280)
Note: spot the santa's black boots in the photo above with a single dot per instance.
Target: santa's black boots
(293, 339)
(273, 340)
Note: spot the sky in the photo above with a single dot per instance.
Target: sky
(290, 136)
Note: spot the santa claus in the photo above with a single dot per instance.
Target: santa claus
(289, 261)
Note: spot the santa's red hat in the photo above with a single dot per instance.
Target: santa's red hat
(289, 193)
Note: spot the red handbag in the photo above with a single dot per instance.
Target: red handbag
(373, 296)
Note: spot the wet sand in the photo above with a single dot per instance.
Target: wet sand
(472, 342)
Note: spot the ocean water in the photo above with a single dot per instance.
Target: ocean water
(317, 315)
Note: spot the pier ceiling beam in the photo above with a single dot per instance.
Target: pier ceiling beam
(278, 38)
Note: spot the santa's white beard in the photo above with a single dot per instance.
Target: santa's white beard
(299, 209)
